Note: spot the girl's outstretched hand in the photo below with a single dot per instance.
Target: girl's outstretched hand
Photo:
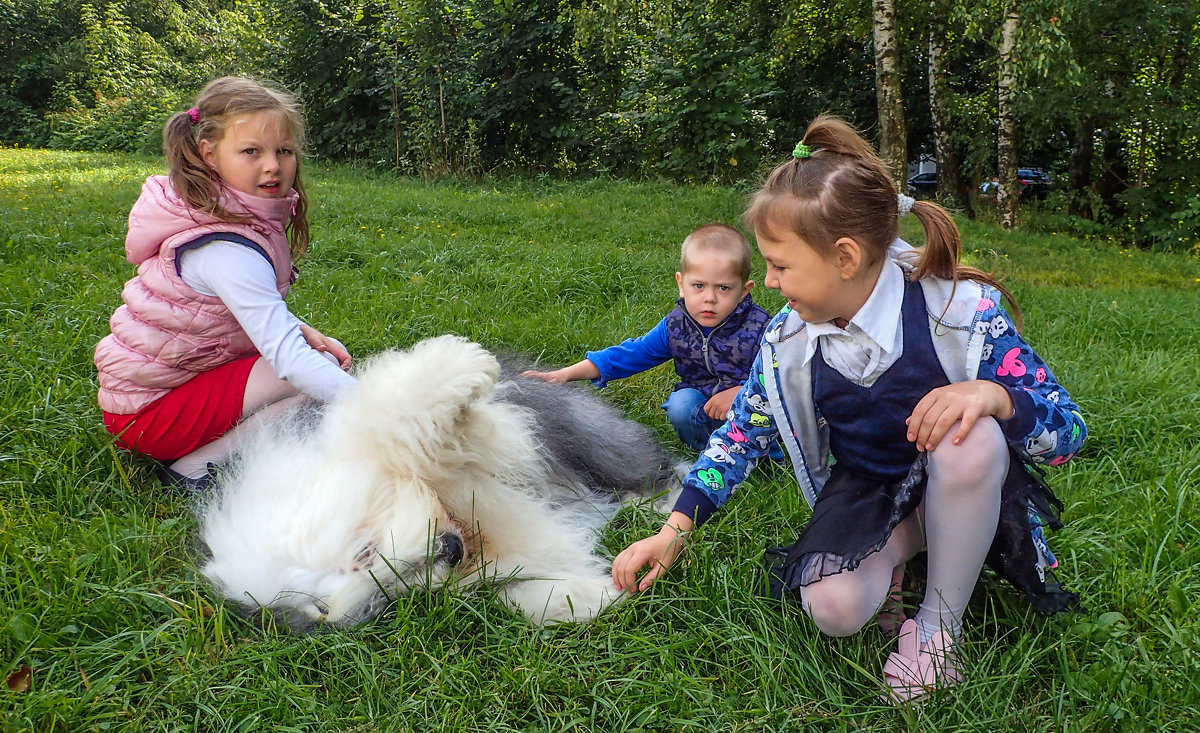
(963, 401)
(325, 344)
(658, 551)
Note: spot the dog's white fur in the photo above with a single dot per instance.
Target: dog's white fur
(327, 519)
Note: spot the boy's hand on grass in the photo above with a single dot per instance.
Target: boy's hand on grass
(326, 345)
(962, 402)
(717, 406)
(658, 551)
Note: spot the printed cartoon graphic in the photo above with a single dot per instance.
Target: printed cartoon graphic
(758, 403)
(734, 434)
(712, 478)
(759, 420)
(718, 452)
(1040, 374)
(998, 327)
(1044, 442)
(987, 351)
(1010, 365)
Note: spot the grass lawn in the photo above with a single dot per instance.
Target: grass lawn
(104, 625)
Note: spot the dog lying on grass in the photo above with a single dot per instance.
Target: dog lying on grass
(439, 465)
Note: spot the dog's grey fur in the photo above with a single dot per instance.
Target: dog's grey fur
(327, 518)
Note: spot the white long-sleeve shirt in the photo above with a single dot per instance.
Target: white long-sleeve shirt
(244, 280)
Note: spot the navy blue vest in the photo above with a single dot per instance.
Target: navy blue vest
(721, 359)
(867, 433)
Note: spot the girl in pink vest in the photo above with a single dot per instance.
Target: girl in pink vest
(204, 344)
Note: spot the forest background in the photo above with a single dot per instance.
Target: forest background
(1103, 96)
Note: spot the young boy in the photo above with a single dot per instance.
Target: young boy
(712, 336)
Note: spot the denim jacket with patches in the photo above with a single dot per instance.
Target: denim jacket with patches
(974, 339)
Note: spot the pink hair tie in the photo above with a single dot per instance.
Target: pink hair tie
(194, 115)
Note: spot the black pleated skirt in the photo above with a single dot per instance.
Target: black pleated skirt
(855, 514)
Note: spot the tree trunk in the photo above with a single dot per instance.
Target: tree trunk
(1114, 174)
(1079, 177)
(893, 146)
(949, 180)
(1006, 139)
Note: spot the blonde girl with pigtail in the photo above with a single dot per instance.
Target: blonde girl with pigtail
(900, 364)
(204, 344)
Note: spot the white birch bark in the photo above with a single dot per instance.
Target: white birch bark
(948, 185)
(1006, 139)
(892, 138)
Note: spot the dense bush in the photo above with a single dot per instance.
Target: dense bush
(691, 90)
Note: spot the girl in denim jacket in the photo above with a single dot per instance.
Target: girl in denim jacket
(910, 407)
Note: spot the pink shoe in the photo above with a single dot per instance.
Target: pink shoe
(914, 670)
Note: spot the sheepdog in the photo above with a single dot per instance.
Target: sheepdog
(439, 466)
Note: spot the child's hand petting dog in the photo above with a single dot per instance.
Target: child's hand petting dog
(580, 370)
(658, 551)
(326, 345)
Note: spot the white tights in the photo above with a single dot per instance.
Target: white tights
(958, 515)
(266, 396)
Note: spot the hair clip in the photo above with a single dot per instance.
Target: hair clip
(802, 151)
(194, 115)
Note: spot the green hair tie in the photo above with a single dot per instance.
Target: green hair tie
(802, 151)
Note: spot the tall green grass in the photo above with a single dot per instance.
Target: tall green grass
(98, 590)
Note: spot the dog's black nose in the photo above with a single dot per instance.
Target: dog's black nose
(450, 548)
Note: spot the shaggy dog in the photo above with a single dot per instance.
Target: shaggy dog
(435, 467)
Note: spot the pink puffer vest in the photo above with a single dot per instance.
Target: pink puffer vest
(166, 333)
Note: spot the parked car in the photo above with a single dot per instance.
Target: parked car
(923, 184)
(1032, 183)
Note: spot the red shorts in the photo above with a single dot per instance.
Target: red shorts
(193, 414)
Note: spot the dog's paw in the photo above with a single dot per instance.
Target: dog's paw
(462, 370)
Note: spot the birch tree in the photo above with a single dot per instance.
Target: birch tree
(1006, 134)
(949, 179)
(893, 147)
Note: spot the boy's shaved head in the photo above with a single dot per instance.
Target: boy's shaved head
(717, 237)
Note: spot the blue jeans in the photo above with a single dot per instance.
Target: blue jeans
(685, 411)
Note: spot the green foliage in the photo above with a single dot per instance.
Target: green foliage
(688, 90)
(329, 57)
(705, 94)
(121, 124)
(1127, 78)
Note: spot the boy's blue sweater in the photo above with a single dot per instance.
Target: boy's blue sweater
(707, 359)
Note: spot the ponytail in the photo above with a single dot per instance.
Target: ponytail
(195, 182)
(940, 255)
(835, 186)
